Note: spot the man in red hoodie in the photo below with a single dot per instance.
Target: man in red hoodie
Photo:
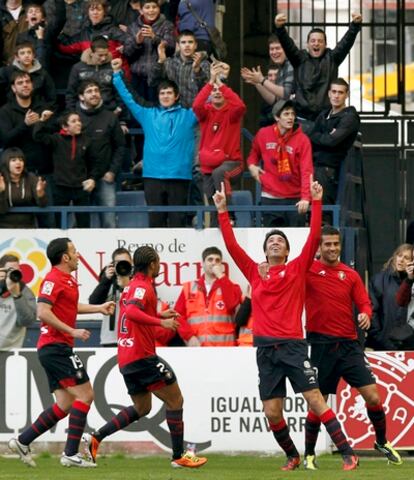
(286, 155)
(220, 112)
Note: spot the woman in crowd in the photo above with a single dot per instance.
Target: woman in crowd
(19, 188)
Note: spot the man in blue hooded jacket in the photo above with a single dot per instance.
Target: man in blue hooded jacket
(168, 147)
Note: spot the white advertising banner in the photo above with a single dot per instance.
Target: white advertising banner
(179, 250)
(222, 408)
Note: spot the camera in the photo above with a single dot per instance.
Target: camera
(123, 268)
(14, 275)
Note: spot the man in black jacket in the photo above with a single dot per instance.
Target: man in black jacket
(108, 143)
(333, 134)
(316, 67)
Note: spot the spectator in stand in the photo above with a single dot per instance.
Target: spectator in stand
(125, 13)
(389, 318)
(12, 22)
(112, 281)
(187, 68)
(17, 118)
(333, 134)
(25, 61)
(75, 168)
(277, 85)
(404, 298)
(68, 15)
(17, 304)
(209, 303)
(316, 67)
(168, 147)
(220, 112)
(95, 65)
(99, 23)
(19, 188)
(41, 33)
(287, 164)
(187, 21)
(143, 38)
(108, 143)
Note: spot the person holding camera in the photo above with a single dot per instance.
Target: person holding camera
(17, 304)
(112, 280)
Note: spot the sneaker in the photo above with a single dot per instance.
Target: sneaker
(76, 461)
(350, 462)
(23, 451)
(310, 462)
(291, 464)
(92, 445)
(392, 455)
(188, 460)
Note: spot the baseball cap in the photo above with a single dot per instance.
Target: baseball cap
(281, 105)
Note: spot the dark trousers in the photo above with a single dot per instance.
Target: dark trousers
(282, 219)
(64, 196)
(328, 178)
(166, 192)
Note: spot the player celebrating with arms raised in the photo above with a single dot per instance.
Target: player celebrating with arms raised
(277, 302)
(143, 370)
(57, 310)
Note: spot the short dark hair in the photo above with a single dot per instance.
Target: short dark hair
(21, 45)
(8, 257)
(211, 251)
(168, 84)
(56, 249)
(63, 120)
(35, 5)
(84, 84)
(316, 30)
(120, 251)
(275, 231)
(19, 74)
(340, 81)
(143, 2)
(103, 3)
(273, 39)
(9, 153)
(143, 257)
(329, 230)
(100, 41)
(186, 33)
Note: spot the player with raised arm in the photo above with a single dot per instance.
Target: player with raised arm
(278, 297)
(143, 370)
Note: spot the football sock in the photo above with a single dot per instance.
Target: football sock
(120, 421)
(176, 425)
(334, 429)
(45, 421)
(312, 426)
(77, 422)
(377, 416)
(281, 433)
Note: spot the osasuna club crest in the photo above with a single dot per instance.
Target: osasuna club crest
(341, 275)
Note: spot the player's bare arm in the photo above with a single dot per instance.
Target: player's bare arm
(45, 315)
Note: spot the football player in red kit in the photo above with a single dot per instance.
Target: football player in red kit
(332, 289)
(277, 303)
(143, 370)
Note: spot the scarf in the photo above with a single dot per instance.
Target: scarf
(73, 143)
(284, 171)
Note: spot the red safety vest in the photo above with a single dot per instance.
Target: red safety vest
(212, 324)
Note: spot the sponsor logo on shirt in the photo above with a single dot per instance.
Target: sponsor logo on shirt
(139, 293)
(126, 342)
(271, 145)
(44, 330)
(322, 273)
(47, 287)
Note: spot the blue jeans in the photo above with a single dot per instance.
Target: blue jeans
(104, 195)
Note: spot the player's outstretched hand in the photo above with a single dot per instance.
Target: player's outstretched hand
(170, 323)
(364, 321)
(81, 334)
(316, 189)
(169, 313)
(219, 199)
(108, 308)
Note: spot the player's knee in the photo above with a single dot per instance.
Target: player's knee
(273, 414)
(175, 403)
(373, 399)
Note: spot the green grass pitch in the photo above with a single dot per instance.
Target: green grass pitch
(219, 467)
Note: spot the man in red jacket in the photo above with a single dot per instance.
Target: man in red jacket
(332, 289)
(286, 155)
(277, 299)
(220, 112)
